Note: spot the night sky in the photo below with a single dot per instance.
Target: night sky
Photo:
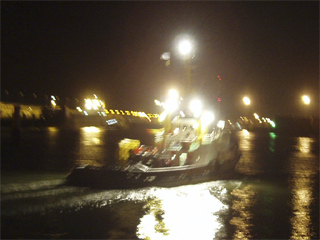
(268, 51)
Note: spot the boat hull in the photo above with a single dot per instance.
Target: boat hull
(107, 178)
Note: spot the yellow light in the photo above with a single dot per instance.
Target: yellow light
(246, 132)
(91, 129)
(96, 102)
(256, 116)
(93, 103)
(88, 104)
(306, 99)
(246, 100)
(163, 116)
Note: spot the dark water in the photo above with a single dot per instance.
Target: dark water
(274, 193)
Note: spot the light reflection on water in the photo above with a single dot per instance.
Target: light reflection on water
(188, 212)
(249, 164)
(91, 136)
(91, 150)
(304, 144)
(275, 197)
(53, 133)
(302, 183)
(243, 217)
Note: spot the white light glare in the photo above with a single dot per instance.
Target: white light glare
(246, 101)
(157, 102)
(195, 125)
(185, 47)
(196, 107)
(182, 114)
(207, 118)
(163, 116)
(221, 124)
(172, 103)
(306, 99)
(173, 94)
(92, 104)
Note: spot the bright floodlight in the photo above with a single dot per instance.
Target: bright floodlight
(246, 101)
(196, 107)
(306, 99)
(172, 103)
(173, 94)
(207, 118)
(185, 47)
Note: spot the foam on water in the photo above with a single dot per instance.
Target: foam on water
(41, 196)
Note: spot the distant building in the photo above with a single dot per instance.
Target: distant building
(26, 111)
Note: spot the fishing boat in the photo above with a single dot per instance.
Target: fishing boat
(187, 150)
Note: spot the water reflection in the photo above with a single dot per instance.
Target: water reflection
(304, 144)
(302, 183)
(272, 142)
(188, 212)
(248, 164)
(91, 149)
(245, 199)
(276, 199)
(53, 133)
(91, 136)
